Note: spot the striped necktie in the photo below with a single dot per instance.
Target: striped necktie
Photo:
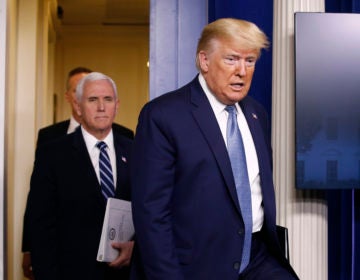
(106, 175)
(237, 156)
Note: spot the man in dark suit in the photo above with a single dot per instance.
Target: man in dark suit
(55, 131)
(66, 205)
(189, 221)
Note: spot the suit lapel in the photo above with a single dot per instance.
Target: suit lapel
(206, 120)
(263, 154)
(85, 165)
(257, 134)
(122, 189)
(89, 175)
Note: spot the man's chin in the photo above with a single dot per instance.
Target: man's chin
(103, 124)
(99, 129)
(103, 128)
(238, 96)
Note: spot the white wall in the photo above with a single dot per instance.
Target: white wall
(122, 52)
(21, 133)
(3, 24)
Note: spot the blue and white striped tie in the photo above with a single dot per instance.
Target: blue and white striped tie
(237, 156)
(106, 175)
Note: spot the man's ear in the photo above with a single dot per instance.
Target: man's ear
(203, 61)
(77, 107)
(117, 104)
(67, 96)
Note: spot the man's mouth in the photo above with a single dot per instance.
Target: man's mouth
(237, 85)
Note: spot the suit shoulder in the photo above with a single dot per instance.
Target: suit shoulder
(61, 140)
(55, 127)
(173, 100)
(122, 130)
(122, 139)
(250, 102)
(52, 132)
(58, 146)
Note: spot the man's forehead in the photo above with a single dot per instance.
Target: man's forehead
(98, 85)
(235, 46)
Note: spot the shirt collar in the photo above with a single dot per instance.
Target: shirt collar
(72, 125)
(91, 141)
(216, 105)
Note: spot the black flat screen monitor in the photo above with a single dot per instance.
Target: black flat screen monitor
(327, 100)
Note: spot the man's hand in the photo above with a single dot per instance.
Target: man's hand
(26, 266)
(125, 251)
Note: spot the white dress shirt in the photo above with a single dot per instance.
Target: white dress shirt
(251, 156)
(94, 151)
(72, 125)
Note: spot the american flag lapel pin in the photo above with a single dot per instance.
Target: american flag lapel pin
(254, 116)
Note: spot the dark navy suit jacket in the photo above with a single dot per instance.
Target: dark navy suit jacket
(186, 213)
(66, 209)
(51, 133)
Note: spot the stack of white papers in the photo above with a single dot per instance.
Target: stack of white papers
(117, 227)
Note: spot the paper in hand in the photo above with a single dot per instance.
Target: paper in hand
(117, 227)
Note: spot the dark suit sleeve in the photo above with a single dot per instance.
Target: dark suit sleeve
(45, 135)
(25, 247)
(42, 215)
(151, 197)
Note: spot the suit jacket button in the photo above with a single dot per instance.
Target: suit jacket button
(236, 266)
(240, 232)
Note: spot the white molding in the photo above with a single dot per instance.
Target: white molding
(303, 212)
(3, 48)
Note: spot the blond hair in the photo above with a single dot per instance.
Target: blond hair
(246, 34)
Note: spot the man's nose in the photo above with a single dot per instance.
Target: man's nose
(101, 105)
(241, 67)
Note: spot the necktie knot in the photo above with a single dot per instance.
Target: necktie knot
(231, 109)
(101, 145)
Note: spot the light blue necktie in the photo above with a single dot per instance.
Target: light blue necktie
(106, 175)
(236, 152)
